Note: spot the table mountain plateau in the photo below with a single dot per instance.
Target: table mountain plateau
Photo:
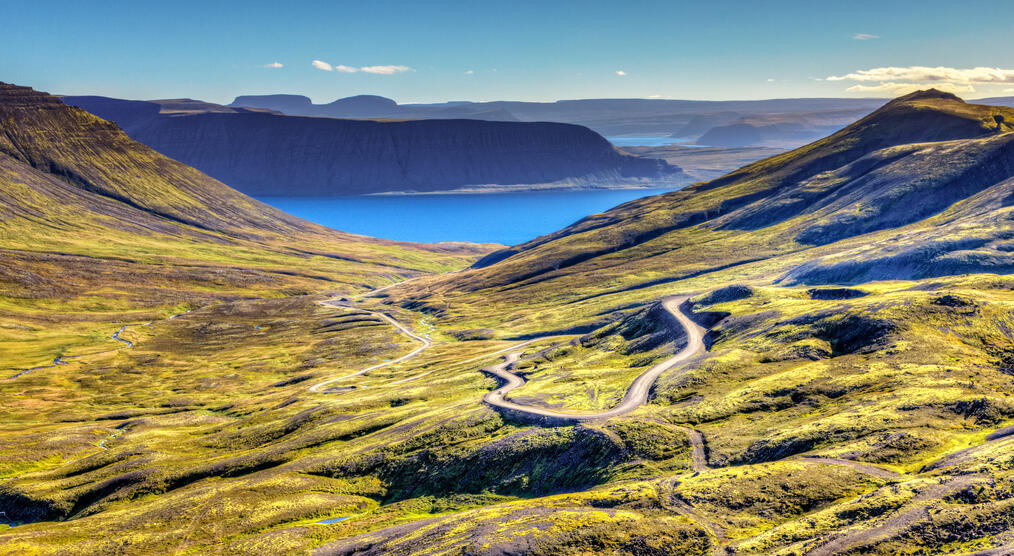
(267, 154)
(773, 122)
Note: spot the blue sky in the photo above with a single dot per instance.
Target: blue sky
(417, 51)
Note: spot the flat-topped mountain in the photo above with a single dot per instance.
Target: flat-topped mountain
(359, 106)
(773, 122)
(266, 154)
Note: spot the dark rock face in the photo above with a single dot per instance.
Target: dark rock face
(265, 154)
(835, 293)
(846, 333)
(734, 292)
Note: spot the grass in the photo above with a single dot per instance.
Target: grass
(204, 438)
(198, 445)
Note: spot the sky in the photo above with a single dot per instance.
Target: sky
(436, 51)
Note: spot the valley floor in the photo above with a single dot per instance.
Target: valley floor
(228, 429)
(189, 371)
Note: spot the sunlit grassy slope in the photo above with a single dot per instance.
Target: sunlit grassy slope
(859, 366)
(97, 229)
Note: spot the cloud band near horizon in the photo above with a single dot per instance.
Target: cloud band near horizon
(376, 70)
(900, 80)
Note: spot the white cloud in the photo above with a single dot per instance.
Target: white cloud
(895, 89)
(621, 73)
(385, 70)
(771, 80)
(1011, 90)
(655, 96)
(381, 70)
(865, 36)
(470, 72)
(274, 65)
(925, 74)
(321, 65)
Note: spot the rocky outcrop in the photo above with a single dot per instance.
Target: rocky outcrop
(265, 154)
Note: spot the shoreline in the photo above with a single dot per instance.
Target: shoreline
(485, 191)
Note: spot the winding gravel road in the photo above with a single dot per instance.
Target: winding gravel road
(425, 344)
(637, 394)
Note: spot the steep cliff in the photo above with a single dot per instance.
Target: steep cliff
(265, 154)
(609, 117)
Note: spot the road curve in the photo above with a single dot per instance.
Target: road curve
(637, 394)
(425, 344)
(865, 468)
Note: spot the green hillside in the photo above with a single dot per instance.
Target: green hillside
(853, 395)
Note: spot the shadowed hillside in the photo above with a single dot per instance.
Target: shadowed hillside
(265, 154)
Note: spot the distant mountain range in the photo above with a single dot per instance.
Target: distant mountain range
(997, 101)
(780, 123)
(783, 123)
(261, 152)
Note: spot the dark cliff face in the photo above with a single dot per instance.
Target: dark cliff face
(264, 154)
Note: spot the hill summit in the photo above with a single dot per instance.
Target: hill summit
(927, 164)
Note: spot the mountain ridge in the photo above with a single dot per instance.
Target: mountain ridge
(776, 122)
(785, 201)
(266, 154)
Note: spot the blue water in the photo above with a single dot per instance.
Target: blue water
(332, 520)
(507, 218)
(652, 141)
